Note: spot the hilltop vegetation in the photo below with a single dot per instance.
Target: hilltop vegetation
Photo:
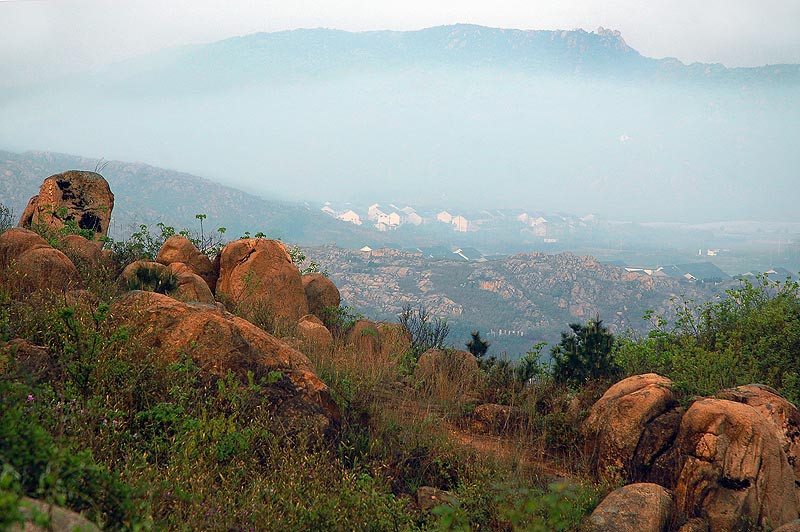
(142, 411)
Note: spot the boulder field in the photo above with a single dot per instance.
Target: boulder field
(726, 463)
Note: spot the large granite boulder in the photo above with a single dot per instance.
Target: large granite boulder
(219, 342)
(641, 507)
(321, 293)
(257, 276)
(30, 263)
(178, 248)
(631, 427)
(733, 471)
(75, 196)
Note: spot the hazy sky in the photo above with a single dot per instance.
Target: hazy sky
(41, 37)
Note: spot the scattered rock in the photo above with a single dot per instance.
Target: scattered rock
(364, 336)
(312, 331)
(448, 374)
(395, 339)
(321, 293)
(219, 342)
(641, 507)
(191, 287)
(630, 427)
(257, 276)
(178, 248)
(61, 519)
(792, 526)
(75, 196)
(695, 524)
(734, 472)
(32, 264)
(783, 415)
(429, 498)
(90, 252)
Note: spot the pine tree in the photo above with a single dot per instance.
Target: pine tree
(477, 345)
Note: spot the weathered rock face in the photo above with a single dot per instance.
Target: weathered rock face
(734, 472)
(783, 415)
(364, 336)
(90, 252)
(191, 287)
(320, 293)
(82, 197)
(631, 428)
(257, 275)
(633, 508)
(179, 249)
(219, 342)
(32, 264)
(793, 526)
(311, 330)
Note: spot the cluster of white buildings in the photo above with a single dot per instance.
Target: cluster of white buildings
(392, 217)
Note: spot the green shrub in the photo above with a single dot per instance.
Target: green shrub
(153, 279)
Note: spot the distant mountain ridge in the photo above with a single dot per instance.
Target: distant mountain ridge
(553, 121)
(310, 53)
(147, 195)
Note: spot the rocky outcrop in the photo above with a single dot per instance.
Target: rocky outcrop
(321, 293)
(178, 248)
(257, 276)
(630, 430)
(429, 498)
(75, 196)
(89, 252)
(30, 263)
(365, 337)
(60, 519)
(782, 414)
(641, 507)
(191, 287)
(219, 342)
(734, 473)
(793, 526)
(312, 331)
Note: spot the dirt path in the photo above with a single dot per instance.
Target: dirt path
(400, 401)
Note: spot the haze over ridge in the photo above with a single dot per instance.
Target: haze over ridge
(456, 115)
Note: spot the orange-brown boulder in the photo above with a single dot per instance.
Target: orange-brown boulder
(178, 248)
(31, 264)
(191, 287)
(77, 196)
(733, 472)
(364, 336)
(792, 526)
(257, 277)
(321, 293)
(312, 331)
(783, 415)
(81, 249)
(448, 374)
(630, 427)
(395, 339)
(219, 342)
(640, 507)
